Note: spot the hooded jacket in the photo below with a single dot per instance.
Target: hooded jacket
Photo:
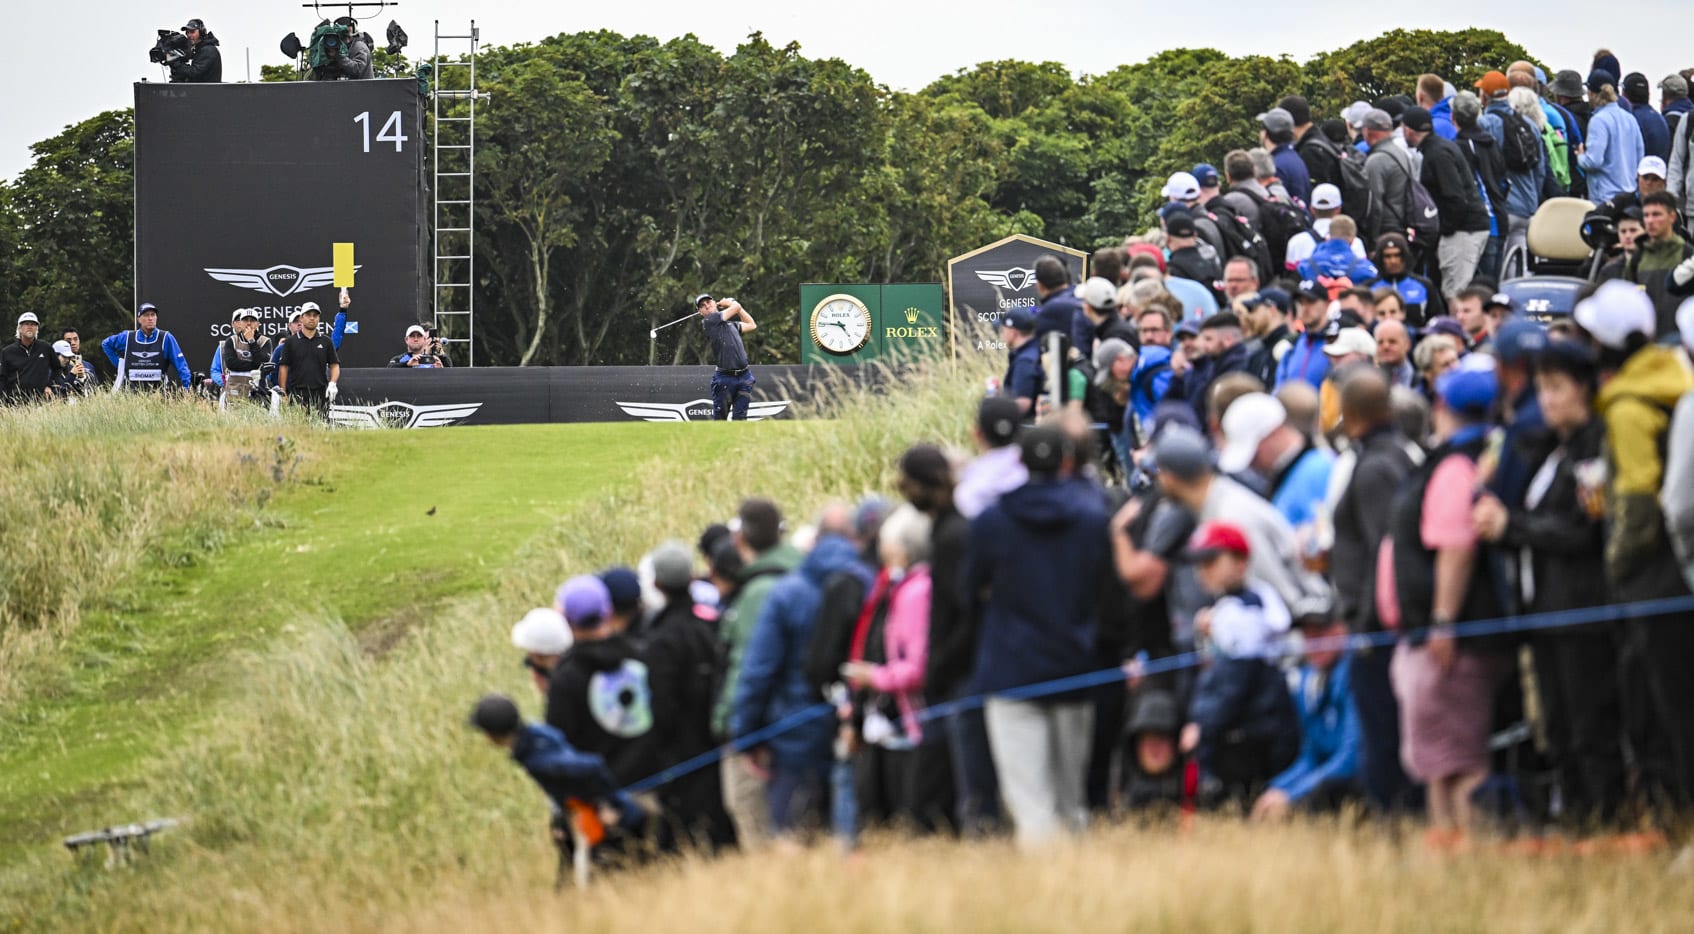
(1442, 116)
(1636, 405)
(771, 683)
(1490, 166)
(601, 695)
(1033, 571)
(565, 772)
(205, 66)
(1451, 184)
(735, 628)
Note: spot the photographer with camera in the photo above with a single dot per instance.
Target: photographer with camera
(203, 64)
(423, 350)
(341, 51)
(238, 363)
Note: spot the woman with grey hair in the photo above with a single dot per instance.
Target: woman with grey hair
(888, 684)
(1108, 398)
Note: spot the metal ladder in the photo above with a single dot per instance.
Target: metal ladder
(453, 157)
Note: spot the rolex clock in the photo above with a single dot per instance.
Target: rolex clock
(841, 324)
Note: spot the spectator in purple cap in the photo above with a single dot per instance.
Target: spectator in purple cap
(1430, 578)
(1614, 146)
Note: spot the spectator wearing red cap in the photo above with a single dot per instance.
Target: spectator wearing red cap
(1434, 576)
(1241, 724)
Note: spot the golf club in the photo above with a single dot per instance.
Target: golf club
(654, 333)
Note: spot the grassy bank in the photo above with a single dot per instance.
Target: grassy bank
(326, 739)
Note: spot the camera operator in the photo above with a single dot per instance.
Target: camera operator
(238, 363)
(204, 64)
(423, 349)
(28, 368)
(349, 58)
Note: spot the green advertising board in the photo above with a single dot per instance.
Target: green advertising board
(858, 323)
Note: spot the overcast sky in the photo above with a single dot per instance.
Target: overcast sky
(87, 62)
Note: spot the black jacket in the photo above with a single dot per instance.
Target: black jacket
(1487, 161)
(681, 650)
(1190, 263)
(952, 634)
(1361, 522)
(1447, 176)
(205, 66)
(1323, 162)
(26, 371)
(1567, 544)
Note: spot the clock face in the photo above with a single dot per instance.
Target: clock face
(841, 324)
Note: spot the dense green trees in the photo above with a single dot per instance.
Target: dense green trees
(619, 175)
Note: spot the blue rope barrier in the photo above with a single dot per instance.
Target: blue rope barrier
(1534, 622)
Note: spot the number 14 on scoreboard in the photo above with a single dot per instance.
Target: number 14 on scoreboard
(390, 132)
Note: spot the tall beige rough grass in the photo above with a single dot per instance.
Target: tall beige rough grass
(87, 491)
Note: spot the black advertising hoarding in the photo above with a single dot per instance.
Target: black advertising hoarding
(984, 283)
(241, 191)
(410, 398)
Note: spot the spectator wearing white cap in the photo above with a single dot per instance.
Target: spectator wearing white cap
(544, 638)
(1184, 189)
(74, 378)
(1258, 436)
(1640, 384)
(28, 368)
(422, 351)
(1326, 204)
(238, 362)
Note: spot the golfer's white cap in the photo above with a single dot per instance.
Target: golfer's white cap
(310, 306)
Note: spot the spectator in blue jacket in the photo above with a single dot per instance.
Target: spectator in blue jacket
(1033, 575)
(1305, 360)
(1325, 772)
(1436, 96)
(1024, 381)
(1614, 147)
(1277, 135)
(145, 356)
(1655, 132)
(772, 686)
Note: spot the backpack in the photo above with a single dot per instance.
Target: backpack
(1239, 237)
(1558, 156)
(1522, 145)
(1279, 222)
(1357, 199)
(1423, 218)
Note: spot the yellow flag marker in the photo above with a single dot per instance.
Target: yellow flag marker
(343, 265)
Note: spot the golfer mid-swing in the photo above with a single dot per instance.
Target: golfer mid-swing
(732, 384)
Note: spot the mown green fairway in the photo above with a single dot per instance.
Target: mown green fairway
(374, 532)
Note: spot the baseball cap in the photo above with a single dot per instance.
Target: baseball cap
(1567, 83)
(702, 297)
(1206, 175)
(495, 714)
(1376, 119)
(1276, 120)
(1599, 78)
(1217, 537)
(310, 308)
(1616, 310)
(1099, 293)
(1326, 197)
(584, 601)
(1182, 186)
(1044, 448)
(1354, 113)
(1349, 341)
(999, 418)
(1310, 290)
(1418, 120)
(145, 308)
(1451, 327)
(1499, 300)
(1182, 452)
(673, 566)
(1180, 224)
(1674, 85)
(63, 348)
(542, 631)
(294, 315)
(1019, 318)
(417, 329)
(1248, 421)
(1155, 712)
(624, 586)
(1494, 84)
(1158, 255)
(1652, 165)
(1471, 386)
(28, 317)
(1685, 323)
(1636, 83)
(1186, 329)
(252, 313)
(1519, 340)
(1270, 296)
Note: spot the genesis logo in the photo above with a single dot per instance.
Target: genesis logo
(401, 415)
(700, 410)
(281, 281)
(1016, 278)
